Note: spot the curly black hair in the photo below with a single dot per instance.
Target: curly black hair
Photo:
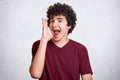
(65, 10)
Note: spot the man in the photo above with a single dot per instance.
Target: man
(56, 57)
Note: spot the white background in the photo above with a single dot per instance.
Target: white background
(97, 28)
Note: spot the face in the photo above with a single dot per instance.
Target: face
(59, 27)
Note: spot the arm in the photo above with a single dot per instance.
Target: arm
(37, 64)
(87, 77)
(85, 67)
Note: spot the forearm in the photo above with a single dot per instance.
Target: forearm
(87, 77)
(37, 64)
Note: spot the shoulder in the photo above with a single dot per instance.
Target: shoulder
(77, 44)
(36, 43)
(81, 50)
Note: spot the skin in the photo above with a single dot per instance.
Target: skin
(59, 23)
(37, 64)
(59, 29)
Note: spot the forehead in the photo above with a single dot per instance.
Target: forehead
(58, 17)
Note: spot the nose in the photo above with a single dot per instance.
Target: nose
(55, 23)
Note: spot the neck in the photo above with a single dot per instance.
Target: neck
(61, 43)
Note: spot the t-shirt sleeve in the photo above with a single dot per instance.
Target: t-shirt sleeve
(34, 48)
(85, 67)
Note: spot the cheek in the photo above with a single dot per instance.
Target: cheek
(50, 25)
(65, 30)
(50, 29)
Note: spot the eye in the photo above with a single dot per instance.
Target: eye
(59, 21)
(51, 20)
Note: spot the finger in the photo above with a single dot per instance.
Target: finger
(42, 24)
(45, 28)
(45, 23)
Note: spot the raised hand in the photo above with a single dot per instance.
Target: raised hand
(45, 32)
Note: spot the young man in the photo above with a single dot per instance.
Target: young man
(56, 57)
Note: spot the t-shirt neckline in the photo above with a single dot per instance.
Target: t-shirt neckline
(62, 46)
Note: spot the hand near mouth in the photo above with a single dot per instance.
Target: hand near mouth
(45, 32)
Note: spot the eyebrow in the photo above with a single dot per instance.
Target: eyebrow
(57, 18)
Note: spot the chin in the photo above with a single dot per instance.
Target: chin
(56, 39)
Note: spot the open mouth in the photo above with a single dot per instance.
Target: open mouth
(56, 32)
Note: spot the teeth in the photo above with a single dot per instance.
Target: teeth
(56, 30)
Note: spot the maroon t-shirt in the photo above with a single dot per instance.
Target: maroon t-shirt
(66, 63)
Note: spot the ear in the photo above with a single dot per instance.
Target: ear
(69, 27)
